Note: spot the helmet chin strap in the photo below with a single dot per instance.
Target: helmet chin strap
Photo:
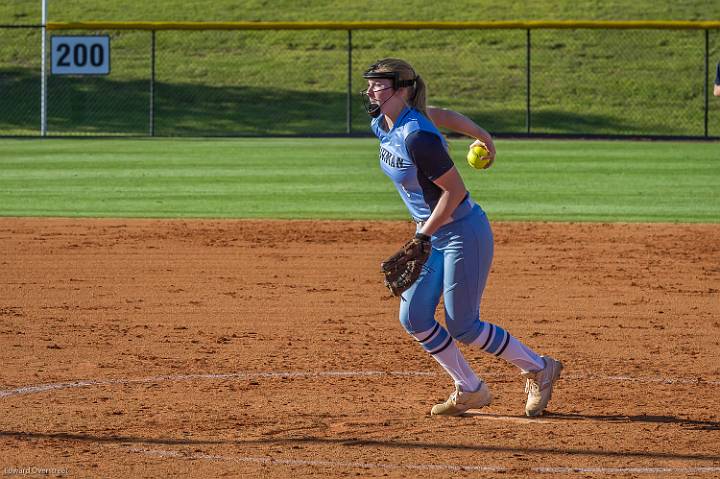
(375, 109)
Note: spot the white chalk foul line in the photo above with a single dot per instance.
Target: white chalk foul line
(40, 388)
(628, 470)
(320, 463)
(427, 467)
(696, 381)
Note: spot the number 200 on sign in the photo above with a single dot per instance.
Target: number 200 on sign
(80, 55)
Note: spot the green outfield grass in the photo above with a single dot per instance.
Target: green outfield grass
(340, 179)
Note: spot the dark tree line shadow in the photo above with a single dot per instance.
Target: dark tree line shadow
(101, 105)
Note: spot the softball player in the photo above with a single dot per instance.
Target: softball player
(413, 153)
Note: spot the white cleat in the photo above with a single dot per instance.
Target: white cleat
(460, 401)
(539, 386)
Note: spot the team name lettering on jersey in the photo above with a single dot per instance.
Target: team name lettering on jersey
(390, 159)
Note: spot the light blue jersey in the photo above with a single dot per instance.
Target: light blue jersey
(413, 154)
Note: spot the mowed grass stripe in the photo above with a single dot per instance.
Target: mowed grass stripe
(340, 179)
(608, 181)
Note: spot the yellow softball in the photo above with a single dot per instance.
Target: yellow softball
(476, 157)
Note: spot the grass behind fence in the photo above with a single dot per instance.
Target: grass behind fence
(291, 82)
(347, 10)
(340, 178)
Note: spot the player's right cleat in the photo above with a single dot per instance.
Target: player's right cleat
(460, 401)
(539, 385)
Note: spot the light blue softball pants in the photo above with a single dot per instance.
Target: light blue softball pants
(457, 268)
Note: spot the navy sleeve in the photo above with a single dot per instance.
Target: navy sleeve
(717, 75)
(428, 153)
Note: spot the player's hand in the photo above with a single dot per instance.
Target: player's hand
(490, 146)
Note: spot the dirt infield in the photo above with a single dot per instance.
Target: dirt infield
(269, 349)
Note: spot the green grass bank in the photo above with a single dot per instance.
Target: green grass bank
(249, 83)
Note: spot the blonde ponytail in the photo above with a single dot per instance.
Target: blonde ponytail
(419, 98)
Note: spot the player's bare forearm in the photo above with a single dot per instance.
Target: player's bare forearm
(445, 207)
(716, 90)
(453, 193)
(459, 123)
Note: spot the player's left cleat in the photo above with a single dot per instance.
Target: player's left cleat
(460, 401)
(539, 386)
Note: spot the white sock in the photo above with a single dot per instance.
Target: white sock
(495, 340)
(443, 348)
(453, 361)
(521, 356)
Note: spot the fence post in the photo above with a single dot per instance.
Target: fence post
(348, 107)
(527, 81)
(705, 78)
(152, 83)
(43, 73)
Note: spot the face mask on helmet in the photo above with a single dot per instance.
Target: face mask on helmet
(373, 109)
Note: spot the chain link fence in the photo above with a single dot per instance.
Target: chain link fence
(612, 82)
(20, 80)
